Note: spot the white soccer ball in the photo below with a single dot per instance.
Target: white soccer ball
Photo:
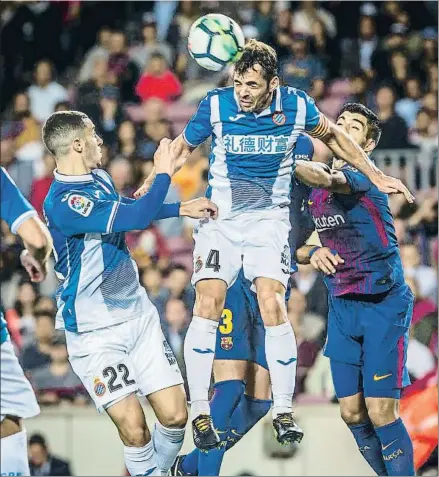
(215, 41)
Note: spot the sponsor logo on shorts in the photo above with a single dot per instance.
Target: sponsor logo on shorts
(279, 118)
(285, 259)
(169, 353)
(99, 387)
(226, 343)
(198, 265)
(379, 378)
(203, 351)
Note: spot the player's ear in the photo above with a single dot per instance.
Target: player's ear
(78, 146)
(274, 83)
(369, 146)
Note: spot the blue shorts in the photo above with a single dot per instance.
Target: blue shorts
(241, 332)
(367, 343)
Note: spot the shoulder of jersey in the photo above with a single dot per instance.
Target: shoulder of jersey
(104, 176)
(226, 91)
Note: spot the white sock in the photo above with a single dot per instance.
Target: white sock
(199, 351)
(141, 460)
(13, 451)
(167, 444)
(281, 354)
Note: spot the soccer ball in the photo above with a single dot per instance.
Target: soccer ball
(215, 41)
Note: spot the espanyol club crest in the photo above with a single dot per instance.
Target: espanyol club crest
(226, 343)
(99, 387)
(279, 118)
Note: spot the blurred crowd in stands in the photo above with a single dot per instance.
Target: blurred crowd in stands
(126, 65)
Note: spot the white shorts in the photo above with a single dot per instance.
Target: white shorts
(130, 357)
(258, 243)
(17, 397)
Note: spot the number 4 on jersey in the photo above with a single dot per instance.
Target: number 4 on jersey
(213, 260)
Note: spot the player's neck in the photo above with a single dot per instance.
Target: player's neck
(266, 104)
(72, 167)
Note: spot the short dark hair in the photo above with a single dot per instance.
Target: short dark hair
(60, 130)
(38, 439)
(373, 123)
(258, 53)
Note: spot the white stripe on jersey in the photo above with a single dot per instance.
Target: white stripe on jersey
(218, 169)
(112, 216)
(283, 180)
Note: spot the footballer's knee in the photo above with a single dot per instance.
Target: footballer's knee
(176, 420)
(382, 411)
(353, 410)
(210, 297)
(271, 301)
(134, 434)
(10, 425)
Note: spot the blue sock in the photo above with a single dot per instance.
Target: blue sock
(248, 412)
(397, 448)
(222, 405)
(369, 445)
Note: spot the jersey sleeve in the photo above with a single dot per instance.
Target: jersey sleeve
(15, 209)
(78, 212)
(199, 127)
(356, 180)
(304, 149)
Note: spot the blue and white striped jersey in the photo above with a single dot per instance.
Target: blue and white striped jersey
(14, 210)
(251, 158)
(99, 281)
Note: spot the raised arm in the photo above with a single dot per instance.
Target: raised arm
(320, 176)
(344, 147)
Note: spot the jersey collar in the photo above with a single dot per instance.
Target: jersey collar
(65, 178)
(274, 107)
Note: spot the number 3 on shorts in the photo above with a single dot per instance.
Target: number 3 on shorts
(226, 326)
(213, 260)
(122, 372)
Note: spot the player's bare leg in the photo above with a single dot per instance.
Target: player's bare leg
(129, 418)
(13, 446)
(199, 352)
(281, 354)
(170, 408)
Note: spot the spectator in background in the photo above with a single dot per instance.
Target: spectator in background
(323, 48)
(179, 286)
(307, 13)
(175, 325)
(122, 70)
(301, 67)
(23, 311)
(158, 81)
(356, 54)
(424, 132)
(432, 78)
(154, 132)
(394, 130)
(409, 105)
(424, 275)
(89, 92)
(318, 90)
(142, 53)
(99, 52)
(395, 41)
(40, 187)
(110, 115)
(37, 353)
(429, 55)
(360, 91)
(126, 143)
(263, 20)
(400, 72)
(152, 280)
(282, 34)
(45, 92)
(121, 172)
(420, 360)
(62, 106)
(42, 462)
(56, 381)
(311, 285)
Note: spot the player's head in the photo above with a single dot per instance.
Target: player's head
(361, 124)
(71, 136)
(256, 76)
